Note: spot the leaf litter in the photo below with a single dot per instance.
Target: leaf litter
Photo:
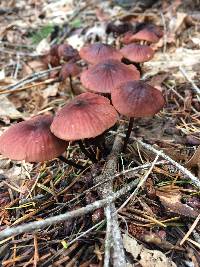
(167, 205)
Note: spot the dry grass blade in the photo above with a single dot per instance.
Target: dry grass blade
(32, 226)
(190, 230)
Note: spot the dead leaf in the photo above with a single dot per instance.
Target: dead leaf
(194, 160)
(171, 200)
(51, 90)
(33, 66)
(157, 80)
(8, 110)
(176, 22)
(17, 174)
(43, 47)
(147, 257)
(180, 57)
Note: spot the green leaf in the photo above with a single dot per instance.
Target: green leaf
(42, 33)
(64, 243)
(76, 23)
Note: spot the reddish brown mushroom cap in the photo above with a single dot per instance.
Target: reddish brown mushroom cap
(144, 35)
(69, 69)
(95, 53)
(67, 52)
(86, 116)
(54, 50)
(108, 74)
(150, 27)
(137, 99)
(137, 53)
(31, 141)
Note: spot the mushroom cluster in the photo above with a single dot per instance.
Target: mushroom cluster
(111, 72)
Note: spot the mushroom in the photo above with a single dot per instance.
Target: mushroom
(69, 69)
(97, 52)
(33, 141)
(137, 53)
(67, 52)
(157, 30)
(136, 99)
(86, 116)
(143, 35)
(108, 74)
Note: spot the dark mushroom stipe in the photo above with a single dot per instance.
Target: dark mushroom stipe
(91, 156)
(128, 133)
(71, 84)
(136, 64)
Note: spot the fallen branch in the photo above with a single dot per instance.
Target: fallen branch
(143, 180)
(194, 86)
(182, 169)
(31, 78)
(113, 240)
(38, 225)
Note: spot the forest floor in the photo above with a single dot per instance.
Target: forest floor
(160, 223)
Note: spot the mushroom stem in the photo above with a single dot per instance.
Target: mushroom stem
(91, 156)
(100, 141)
(71, 84)
(71, 163)
(128, 133)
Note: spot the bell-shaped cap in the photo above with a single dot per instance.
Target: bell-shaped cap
(143, 35)
(69, 69)
(97, 52)
(108, 74)
(151, 28)
(67, 52)
(137, 53)
(31, 141)
(137, 99)
(54, 50)
(86, 116)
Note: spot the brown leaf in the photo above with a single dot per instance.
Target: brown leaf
(194, 160)
(147, 257)
(33, 66)
(172, 202)
(157, 80)
(8, 110)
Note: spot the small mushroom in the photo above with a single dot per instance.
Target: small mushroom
(86, 116)
(33, 141)
(157, 30)
(143, 35)
(69, 70)
(137, 53)
(136, 99)
(108, 74)
(67, 52)
(97, 52)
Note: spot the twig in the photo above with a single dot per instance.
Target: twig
(182, 169)
(108, 237)
(113, 233)
(141, 182)
(30, 86)
(38, 225)
(190, 230)
(194, 86)
(180, 96)
(31, 78)
(85, 233)
(165, 33)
